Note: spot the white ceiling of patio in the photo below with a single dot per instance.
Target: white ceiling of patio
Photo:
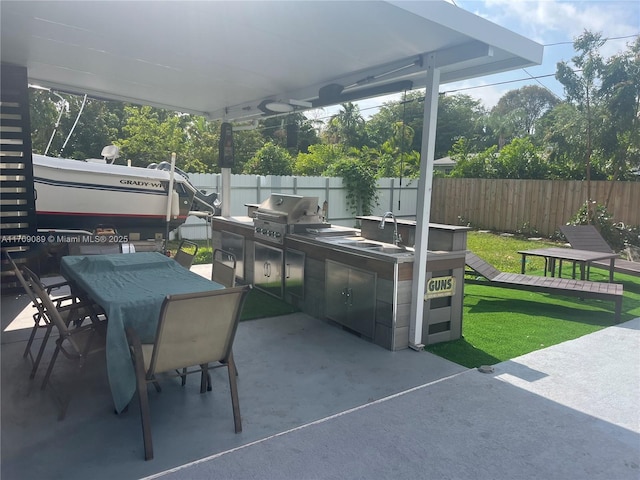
(225, 59)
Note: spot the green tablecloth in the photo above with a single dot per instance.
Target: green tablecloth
(130, 288)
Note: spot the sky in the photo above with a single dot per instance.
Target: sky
(552, 23)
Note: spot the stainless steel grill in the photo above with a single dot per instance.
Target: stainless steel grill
(281, 214)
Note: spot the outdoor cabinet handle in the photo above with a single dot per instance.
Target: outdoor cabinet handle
(350, 295)
(345, 294)
(265, 269)
(288, 270)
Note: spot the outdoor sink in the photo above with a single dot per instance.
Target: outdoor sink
(383, 249)
(367, 245)
(374, 247)
(358, 244)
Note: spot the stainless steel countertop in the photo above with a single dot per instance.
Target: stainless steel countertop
(349, 241)
(361, 246)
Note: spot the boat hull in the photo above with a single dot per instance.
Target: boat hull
(71, 194)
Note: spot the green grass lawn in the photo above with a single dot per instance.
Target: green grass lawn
(500, 323)
(261, 305)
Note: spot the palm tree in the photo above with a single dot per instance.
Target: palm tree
(347, 126)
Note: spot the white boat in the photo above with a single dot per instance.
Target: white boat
(81, 195)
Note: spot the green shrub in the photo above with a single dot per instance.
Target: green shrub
(360, 181)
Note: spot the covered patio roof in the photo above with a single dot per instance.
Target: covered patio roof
(229, 59)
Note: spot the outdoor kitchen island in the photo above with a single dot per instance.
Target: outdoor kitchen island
(354, 277)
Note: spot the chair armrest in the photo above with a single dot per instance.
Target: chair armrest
(59, 300)
(73, 305)
(48, 288)
(91, 310)
(135, 345)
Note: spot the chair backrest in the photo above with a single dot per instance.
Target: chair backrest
(196, 328)
(481, 266)
(223, 269)
(185, 257)
(80, 248)
(23, 281)
(45, 304)
(585, 237)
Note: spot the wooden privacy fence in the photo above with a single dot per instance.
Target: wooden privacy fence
(527, 206)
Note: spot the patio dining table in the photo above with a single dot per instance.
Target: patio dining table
(130, 288)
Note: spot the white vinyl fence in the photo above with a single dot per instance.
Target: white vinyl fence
(394, 195)
(530, 206)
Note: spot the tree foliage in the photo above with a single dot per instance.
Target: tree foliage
(294, 132)
(620, 92)
(520, 159)
(347, 127)
(152, 135)
(53, 116)
(44, 110)
(606, 97)
(409, 110)
(270, 160)
(318, 159)
(395, 159)
(245, 145)
(201, 152)
(360, 181)
(459, 116)
(524, 107)
(581, 88)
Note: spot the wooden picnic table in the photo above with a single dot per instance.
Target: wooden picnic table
(582, 257)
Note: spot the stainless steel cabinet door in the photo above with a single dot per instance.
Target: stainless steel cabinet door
(268, 269)
(351, 297)
(294, 272)
(362, 301)
(337, 293)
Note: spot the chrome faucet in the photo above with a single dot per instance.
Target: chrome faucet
(396, 237)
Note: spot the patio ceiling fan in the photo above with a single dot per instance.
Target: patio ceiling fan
(332, 93)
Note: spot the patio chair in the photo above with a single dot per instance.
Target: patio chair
(555, 285)
(185, 257)
(586, 237)
(75, 343)
(72, 310)
(223, 270)
(189, 334)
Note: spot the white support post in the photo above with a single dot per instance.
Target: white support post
(424, 203)
(226, 192)
(172, 173)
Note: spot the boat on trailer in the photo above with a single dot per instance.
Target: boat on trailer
(136, 201)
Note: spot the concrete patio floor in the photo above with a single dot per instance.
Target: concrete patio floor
(318, 402)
